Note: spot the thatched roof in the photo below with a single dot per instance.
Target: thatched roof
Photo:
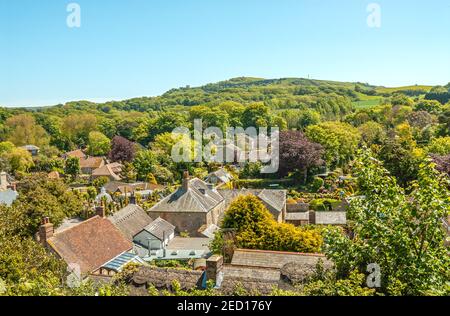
(162, 278)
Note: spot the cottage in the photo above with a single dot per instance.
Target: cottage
(274, 200)
(111, 171)
(259, 271)
(88, 245)
(75, 154)
(155, 235)
(130, 220)
(195, 204)
(89, 164)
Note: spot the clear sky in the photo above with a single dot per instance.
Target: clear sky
(131, 48)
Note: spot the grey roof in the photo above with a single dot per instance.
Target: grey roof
(331, 218)
(130, 220)
(275, 199)
(30, 147)
(221, 174)
(160, 228)
(300, 216)
(210, 231)
(7, 197)
(275, 259)
(68, 223)
(121, 261)
(180, 243)
(197, 198)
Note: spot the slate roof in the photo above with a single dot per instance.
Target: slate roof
(191, 243)
(130, 220)
(221, 174)
(299, 216)
(160, 228)
(331, 218)
(276, 199)
(197, 198)
(90, 244)
(8, 196)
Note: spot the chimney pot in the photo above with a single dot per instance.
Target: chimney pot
(100, 211)
(186, 180)
(46, 231)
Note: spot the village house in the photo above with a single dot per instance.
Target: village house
(89, 164)
(198, 207)
(193, 205)
(143, 189)
(33, 150)
(89, 246)
(111, 171)
(78, 153)
(300, 214)
(255, 271)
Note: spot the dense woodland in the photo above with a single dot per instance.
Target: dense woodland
(393, 142)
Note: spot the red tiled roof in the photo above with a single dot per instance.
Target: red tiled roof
(90, 244)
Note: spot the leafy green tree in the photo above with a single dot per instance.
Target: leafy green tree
(144, 163)
(255, 228)
(439, 146)
(401, 233)
(372, 133)
(25, 131)
(72, 167)
(98, 144)
(308, 117)
(340, 141)
(256, 115)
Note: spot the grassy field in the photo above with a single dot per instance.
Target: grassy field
(364, 104)
(406, 88)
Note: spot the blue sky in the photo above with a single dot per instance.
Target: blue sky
(131, 48)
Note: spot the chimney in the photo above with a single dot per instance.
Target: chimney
(132, 198)
(186, 180)
(100, 211)
(214, 265)
(45, 231)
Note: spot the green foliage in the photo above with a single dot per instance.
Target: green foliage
(400, 232)
(98, 144)
(323, 205)
(255, 228)
(100, 182)
(340, 141)
(439, 146)
(72, 166)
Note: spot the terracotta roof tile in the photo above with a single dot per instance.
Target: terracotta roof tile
(90, 244)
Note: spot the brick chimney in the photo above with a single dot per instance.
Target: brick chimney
(100, 211)
(46, 231)
(214, 265)
(185, 180)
